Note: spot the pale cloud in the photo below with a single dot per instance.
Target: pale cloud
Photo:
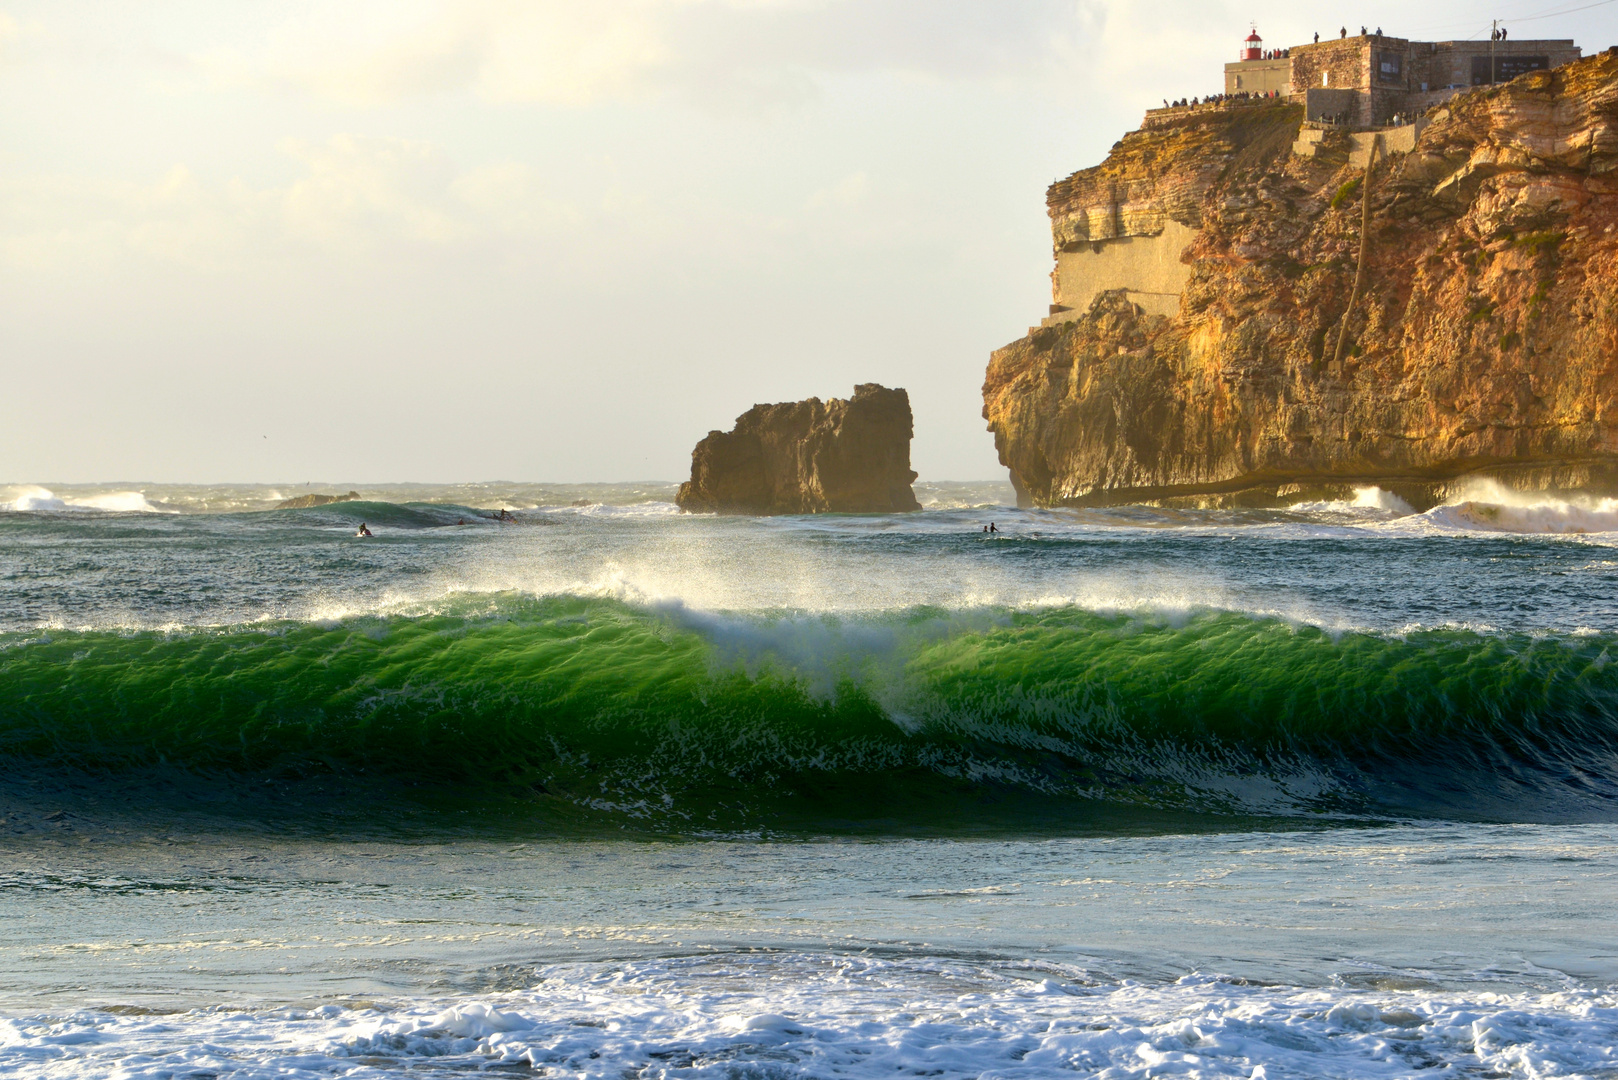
(715, 52)
(356, 189)
(562, 53)
(354, 196)
(508, 196)
(849, 190)
(225, 68)
(82, 225)
(13, 37)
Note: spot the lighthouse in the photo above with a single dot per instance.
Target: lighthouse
(1257, 72)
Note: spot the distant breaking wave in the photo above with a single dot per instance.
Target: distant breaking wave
(605, 710)
(31, 497)
(1479, 507)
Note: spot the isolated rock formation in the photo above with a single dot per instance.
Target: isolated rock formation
(1484, 340)
(808, 457)
(303, 502)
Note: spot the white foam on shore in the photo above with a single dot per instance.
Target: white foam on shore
(806, 1015)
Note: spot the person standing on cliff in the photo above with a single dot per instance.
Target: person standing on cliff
(1343, 32)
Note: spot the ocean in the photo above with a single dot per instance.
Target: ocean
(607, 790)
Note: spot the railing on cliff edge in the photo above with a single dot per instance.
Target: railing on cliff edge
(1155, 117)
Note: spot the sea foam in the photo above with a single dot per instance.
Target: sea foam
(803, 1015)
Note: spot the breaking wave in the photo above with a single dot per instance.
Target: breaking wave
(679, 719)
(30, 497)
(1541, 515)
(1483, 506)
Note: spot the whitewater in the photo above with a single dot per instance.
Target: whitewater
(607, 790)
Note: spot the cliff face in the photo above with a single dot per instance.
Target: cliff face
(1484, 339)
(808, 457)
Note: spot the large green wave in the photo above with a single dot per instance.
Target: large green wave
(684, 719)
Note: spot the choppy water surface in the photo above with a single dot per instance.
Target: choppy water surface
(610, 790)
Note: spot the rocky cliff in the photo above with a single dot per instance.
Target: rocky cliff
(808, 457)
(1484, 338)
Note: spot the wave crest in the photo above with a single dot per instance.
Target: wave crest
(1489, 507)
(688, 718)
(26, 498)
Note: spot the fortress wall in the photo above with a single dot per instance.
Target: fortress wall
(1320, 101)
(1451, 63)
(1148, 266)
(1443, 66)
(1258, 76)
(1397, 140)
(1343, 62)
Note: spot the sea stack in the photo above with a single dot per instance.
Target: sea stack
(304, 502)
(1384, 262)
(808, 457)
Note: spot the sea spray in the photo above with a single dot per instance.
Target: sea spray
(31, 498)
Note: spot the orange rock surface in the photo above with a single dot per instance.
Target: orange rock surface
(1484, 341)
(808, 457)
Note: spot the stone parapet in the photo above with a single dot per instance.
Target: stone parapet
(1181, 114)
(1312, 138)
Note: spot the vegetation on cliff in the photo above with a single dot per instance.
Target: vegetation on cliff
(1484, 340)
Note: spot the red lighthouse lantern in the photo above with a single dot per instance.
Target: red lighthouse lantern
(1253, 47)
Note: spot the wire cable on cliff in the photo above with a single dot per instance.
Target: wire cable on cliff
(1365, 241)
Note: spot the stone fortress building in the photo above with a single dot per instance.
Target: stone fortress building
(1110, 234)
(1367, 80)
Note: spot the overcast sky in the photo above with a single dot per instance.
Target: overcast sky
(557, 239)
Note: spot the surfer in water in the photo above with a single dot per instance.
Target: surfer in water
(363, 530)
